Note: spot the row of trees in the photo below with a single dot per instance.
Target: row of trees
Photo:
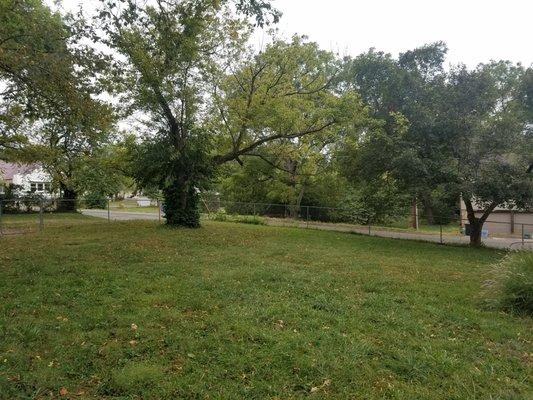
(290, 123)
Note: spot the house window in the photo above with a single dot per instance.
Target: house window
(40, 187)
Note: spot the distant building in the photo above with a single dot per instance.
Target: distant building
(31, 178)
(503, 221)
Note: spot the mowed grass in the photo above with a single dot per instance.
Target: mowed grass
(234, 311)
(16, 224)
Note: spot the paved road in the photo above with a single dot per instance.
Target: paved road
(498, 243)
(121, 215)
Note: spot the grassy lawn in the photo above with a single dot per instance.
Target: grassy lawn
(135, 310)
(24, 223)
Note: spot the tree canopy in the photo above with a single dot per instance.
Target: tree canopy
(289, 122)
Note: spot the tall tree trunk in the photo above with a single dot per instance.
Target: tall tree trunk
(294, 206)
(428, 208)
(180, 204)
(68, 201)
(476, 226)
(294, 210)
(476, 223)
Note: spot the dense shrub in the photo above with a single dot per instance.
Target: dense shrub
(15, 200)
(95, 200)
(379, 202)
(512, 288)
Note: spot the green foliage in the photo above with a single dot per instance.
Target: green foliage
(288, 91)
(222, 216)
(95, 200)
(52, 78)
(492, 148)
(15, 201)
(512, 288)
(180, 175)
(168, 63)
(406, 95)
(371, 203)
(103, 174)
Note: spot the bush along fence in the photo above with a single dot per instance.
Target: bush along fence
(33, 214)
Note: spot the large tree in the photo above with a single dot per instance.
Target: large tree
(490, 137)
(199, 112)
(280, 108)
(50, 110)
(168, 49)
(412, 86)
(31, 42)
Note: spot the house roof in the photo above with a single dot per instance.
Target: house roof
(8, 170)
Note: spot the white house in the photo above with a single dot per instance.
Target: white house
(30, 177)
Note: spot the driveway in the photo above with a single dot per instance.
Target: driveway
(494, 242)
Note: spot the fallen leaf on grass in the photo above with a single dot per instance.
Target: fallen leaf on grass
(63, 391)
(326, 383)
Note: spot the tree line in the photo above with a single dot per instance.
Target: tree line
(289, 123)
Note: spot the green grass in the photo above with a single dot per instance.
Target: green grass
(30, 222)
(234, 311)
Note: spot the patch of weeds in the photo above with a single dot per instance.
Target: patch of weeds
(222, 216)
(511, 289)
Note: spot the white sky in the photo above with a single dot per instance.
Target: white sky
(474, 30)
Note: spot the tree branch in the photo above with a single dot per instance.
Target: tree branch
(221, 159)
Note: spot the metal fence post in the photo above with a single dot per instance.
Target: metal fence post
(369, 231)
(523, 238)
(41, 221)
(307, 219)
(159, 210)
(440, 227)
(108, 212)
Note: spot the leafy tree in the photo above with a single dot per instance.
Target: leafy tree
(282, 173)
(30, 39)
(490, 138)
(175, 55)
(280, 108)
(169, 49)
(413, 86)
(50, 92)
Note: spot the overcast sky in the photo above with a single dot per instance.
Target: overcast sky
(474, 30)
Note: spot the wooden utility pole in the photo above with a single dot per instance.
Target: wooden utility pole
(414, 215)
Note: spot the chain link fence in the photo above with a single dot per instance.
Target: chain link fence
(26, 215)
(444, 229)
